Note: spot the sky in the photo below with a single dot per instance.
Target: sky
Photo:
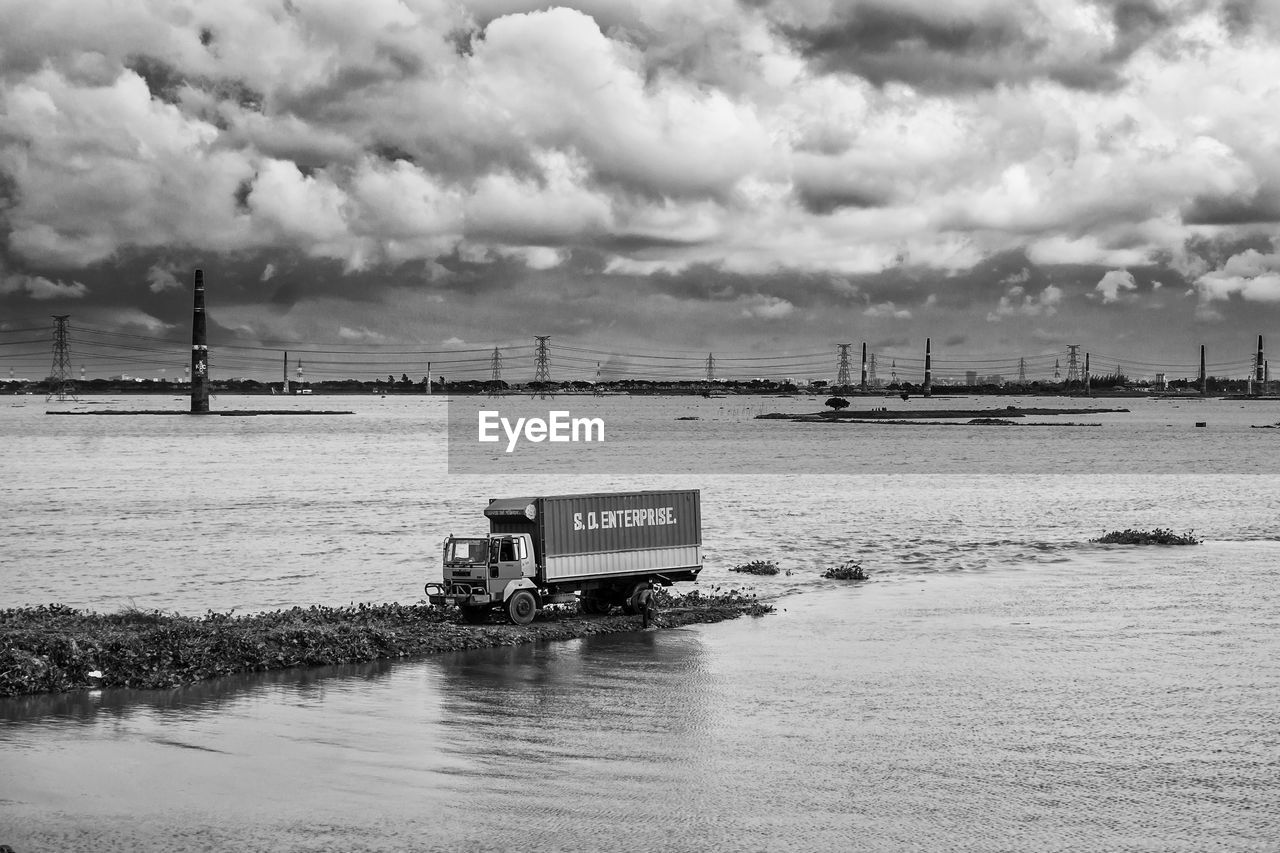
(1002, 177)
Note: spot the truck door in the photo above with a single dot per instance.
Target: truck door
(505, 562)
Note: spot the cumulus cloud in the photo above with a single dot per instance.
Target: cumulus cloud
(1016, 301)
(764, 307)
(891, 145)
(394, 137)
(1115, 281)
(161, 278)
(132, 318)
(887, 310)
(361, 335)
(1251, 275)
(40, 288)
(102, 166)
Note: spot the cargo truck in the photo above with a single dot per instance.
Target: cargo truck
(599, 550)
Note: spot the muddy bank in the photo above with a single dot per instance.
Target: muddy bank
(863, 415)
(53, 648)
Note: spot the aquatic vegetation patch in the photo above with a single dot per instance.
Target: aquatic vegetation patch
(52, 648)
(1159, 536)
(757, 567)
(671, 603)
(846, 571)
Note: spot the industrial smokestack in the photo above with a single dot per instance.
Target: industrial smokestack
(864, 365)
(928, 367)
(199, 352)
(1087, 377)
(1260, 360)
(1204, 379)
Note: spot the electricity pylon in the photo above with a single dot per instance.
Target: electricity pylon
(541, 365)
(495, 380)
(842, 367)
(62, 387)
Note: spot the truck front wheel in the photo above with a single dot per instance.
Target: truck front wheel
(522, 607)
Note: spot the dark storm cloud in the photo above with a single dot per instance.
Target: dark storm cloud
(822, 199)
(1244, 17)
(167, 83)
(631, 243)
(1211, 252)
(712, 283)
(1261, 207)
(938, 49)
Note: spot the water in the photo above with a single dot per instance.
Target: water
(999, 684)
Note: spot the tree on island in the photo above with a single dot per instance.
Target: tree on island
(837, 403)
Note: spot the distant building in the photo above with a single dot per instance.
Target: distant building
(971, 377)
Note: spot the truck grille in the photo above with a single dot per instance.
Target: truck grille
(463, 588)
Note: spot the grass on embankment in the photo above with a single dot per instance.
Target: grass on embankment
(53, 648)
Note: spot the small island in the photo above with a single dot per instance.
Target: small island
(977, 417)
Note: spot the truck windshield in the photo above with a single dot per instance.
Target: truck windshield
(467, 552)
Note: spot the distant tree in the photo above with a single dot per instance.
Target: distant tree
(404, 378)
(837, 403)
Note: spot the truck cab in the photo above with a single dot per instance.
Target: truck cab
(480, 572)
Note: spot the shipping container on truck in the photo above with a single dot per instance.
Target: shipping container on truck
(600, 550)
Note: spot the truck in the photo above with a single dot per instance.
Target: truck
(598, 550)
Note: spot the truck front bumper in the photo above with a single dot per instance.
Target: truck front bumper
(440, 596)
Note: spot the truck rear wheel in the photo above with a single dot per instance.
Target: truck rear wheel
(522, 607)
(474, 615)
(631, 604)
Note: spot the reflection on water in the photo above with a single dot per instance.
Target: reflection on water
(88, 706)
(1094, 706)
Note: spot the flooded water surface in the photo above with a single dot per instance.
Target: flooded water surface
(999, 684)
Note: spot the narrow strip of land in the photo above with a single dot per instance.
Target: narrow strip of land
(53, 648)
(230, 413)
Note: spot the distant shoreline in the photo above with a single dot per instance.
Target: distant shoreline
(100, 388)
